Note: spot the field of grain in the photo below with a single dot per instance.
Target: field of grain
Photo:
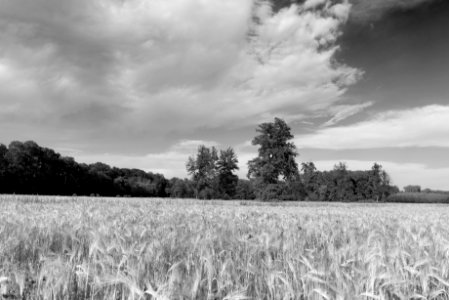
(93, 248)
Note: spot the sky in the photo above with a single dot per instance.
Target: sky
(142, 83)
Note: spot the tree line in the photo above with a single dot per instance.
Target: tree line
(275, 175)
(27, 168)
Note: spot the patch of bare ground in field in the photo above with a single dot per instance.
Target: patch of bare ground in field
(83, 248)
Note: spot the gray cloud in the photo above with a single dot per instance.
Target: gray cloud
(114, 69)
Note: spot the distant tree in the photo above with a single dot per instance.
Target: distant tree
(101, 181)
(3, 168)
(27, 168)
(412, 189)
(342, 186)
(310, 179)
(385, 188)
(227, 163)
(378, 179)
(138, 183)
(276, 158)
(3, 151)
(360, 180)
(392, 189)
(180, 188)
(158, 184)
(203, 170)
(245, 190)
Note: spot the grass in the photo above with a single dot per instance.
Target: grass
(82, 248)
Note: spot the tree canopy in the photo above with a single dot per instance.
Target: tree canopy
(212, 174)
(275, 161)
(27, 168)
(276, 154)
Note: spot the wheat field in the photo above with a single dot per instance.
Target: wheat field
(99, 248)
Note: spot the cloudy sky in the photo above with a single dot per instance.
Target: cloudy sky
(141, 83)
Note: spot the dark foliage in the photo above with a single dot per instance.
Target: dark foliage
(203, 169)
(27, 168)
(180, 188)
(274, 171)
(412, 189)
(341, 184)
(212, 174)
(226, 180)
(245, 190)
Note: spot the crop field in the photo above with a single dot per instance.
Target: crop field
(99, 248)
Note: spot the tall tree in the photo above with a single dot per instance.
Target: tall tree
(203, 169)
(227, 180)
(276, 157)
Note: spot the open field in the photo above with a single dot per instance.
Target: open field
(82, 248)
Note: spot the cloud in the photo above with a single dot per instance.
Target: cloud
(418, 127)
(171, 163)
(401, 174)
(369, 10)
(342, 112)
(91, 68)
(314, 3)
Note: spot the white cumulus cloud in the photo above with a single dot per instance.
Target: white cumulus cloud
(418, 127)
